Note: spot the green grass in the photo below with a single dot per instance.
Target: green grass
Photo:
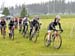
(23, 47)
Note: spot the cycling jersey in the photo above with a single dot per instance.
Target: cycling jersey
(34, 22)
(53, 24)
(11, 24)
(25, 21)
(3, 23)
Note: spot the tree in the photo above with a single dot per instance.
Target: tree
(23, 12)
(6, 11)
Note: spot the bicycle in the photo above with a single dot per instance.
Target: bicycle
(11, 34)
(35, 34)
(55, 38)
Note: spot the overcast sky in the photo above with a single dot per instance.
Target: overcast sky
(9, 3)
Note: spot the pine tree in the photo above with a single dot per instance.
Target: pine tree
(23, 12)
(6, 11)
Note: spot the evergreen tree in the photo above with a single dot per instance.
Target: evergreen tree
(6, 11)
(23, 12)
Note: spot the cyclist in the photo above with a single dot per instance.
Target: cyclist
(25, 24)
(34, 24)
(11, 26)
(52, 26)
(3, 25)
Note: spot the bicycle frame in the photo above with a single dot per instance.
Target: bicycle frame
(57, 32)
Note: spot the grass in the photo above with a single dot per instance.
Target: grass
(23, 47)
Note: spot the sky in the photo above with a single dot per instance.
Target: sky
(9, 3)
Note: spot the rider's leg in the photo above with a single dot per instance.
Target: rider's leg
(31, 31)
(4, 29)
(1, 30)
(49, 34)
(16, 25)
(31, 28)
(26, 28)
(19, 27)
(35, 29)
(9, 31)
(55, 33)
(23, 28)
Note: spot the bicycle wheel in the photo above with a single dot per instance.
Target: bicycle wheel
(35, 36)
(57, 42)
(25, 31)
(46, 42)
(12, 34)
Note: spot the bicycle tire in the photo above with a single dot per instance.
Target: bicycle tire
(60, 42)
(34, 38)
(46, 43)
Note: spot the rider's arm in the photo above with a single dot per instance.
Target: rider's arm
(52, 26)
(38, 24)
(60, 27)
(28, 20)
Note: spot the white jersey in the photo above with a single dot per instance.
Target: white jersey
(25, 20)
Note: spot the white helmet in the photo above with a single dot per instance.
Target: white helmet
(58, 17)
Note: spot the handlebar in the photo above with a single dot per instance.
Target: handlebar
(59, 30)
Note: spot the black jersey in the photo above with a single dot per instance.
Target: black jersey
(34, 22)
(53, 24)
(11, 23)
(3, 23)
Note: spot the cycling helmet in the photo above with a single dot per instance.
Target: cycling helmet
(58, 17)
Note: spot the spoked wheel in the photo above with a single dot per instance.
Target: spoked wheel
(46, 41)
(57, 42)
(26, 35)
(35, 36)
(11, 35)
(25, 31)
